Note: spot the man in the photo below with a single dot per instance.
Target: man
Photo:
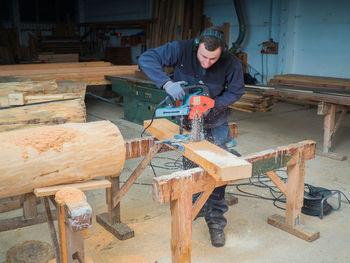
(202, 60)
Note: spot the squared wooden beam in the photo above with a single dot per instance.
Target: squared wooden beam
(220, 164)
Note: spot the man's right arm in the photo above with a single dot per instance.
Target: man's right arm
(152, 62)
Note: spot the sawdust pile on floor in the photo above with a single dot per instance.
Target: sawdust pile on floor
(69, 195)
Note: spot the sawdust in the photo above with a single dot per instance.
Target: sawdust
(44, 139)
(69, 195)
(221, 160)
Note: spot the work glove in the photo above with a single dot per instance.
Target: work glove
(175, 90)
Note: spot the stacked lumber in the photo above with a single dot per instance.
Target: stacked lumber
(309, 85)
(253, 102)
(24, 104)
(308, 81)
(92, 73)
(51, 57)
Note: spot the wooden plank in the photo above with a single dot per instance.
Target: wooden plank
(26, 72)
(219, 163)
(54, 65)
(305, 233)
(85, 186)
(340, 100)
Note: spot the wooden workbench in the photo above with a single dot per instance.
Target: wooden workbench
(328, 106)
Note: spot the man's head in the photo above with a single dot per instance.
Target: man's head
(211, 46)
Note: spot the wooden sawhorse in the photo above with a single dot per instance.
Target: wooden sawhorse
(179, 187)
(135, 148)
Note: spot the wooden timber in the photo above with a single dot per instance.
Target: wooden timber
(85, 186)
(47, 113)
(27, 92)
(179, 187)
(334, 99)
(52, 155)
(91, 75)
(54, 65)
(219, 163)
(297, 80)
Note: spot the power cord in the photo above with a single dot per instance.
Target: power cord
(154, 113)
(264, 182)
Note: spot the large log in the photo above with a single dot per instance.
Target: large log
(52, 155)
(56, 112)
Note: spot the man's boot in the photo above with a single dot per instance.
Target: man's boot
(217, 237)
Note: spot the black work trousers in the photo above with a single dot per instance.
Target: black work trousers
(216, 204)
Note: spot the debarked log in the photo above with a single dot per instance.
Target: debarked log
(46, 113)
(51, 155)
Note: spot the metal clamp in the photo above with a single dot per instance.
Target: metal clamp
(173, 143)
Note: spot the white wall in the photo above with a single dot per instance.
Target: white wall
(321, 38)
(314, 36)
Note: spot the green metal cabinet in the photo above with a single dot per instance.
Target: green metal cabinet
(140, 97)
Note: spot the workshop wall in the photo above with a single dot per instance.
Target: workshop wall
(318, 42)
(310, 42)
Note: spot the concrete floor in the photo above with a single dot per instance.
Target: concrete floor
(249, 237)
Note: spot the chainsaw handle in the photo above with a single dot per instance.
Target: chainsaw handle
(189, 89)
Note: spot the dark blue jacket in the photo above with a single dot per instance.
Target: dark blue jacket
(224, 78)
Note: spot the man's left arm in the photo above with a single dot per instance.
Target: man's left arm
(235, 86)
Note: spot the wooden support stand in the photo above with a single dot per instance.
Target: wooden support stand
(179, 187)
(330, 127)
(74, 216)
(111, 220)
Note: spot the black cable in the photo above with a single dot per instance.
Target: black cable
(261, 181)
(154, 113)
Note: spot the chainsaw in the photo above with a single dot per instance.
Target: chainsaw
(195, 103)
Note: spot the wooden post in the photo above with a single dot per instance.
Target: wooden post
(295, 188)
(328, 127)
(181, 224)
(29, 206)
(74, 215)
(113, 211)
